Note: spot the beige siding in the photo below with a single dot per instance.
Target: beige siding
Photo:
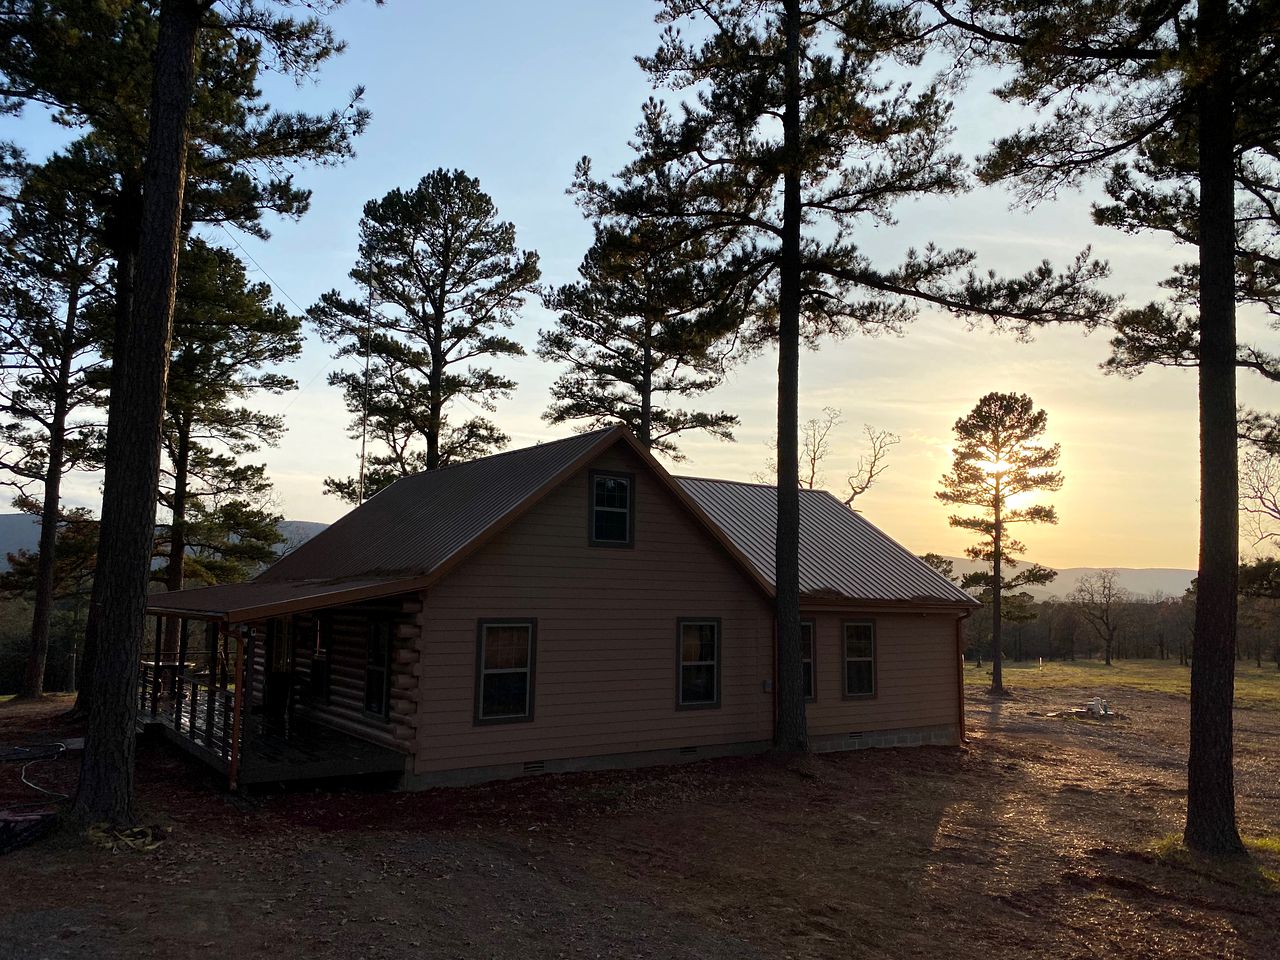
(916, 663)
(606, 635)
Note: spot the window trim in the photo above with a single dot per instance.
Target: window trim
(680, 625)
(812, 624)
(630, 478)
(532, 623)
(389, 625)
(844, 659)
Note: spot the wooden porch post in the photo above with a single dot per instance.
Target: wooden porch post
(179, 669)
(155, 668)
(237, 701)
(250, 678)
(211, 641)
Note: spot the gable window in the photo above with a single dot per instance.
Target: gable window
(860, 658)
(504, 670)
(377, 670)
(806, 658)
(699, 663)
(612, 509)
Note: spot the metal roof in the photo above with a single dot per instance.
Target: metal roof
(413, 526)
(421, 526)
(842, 556)
(396, 540)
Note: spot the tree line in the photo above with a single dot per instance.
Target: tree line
(778, 139)
(1101, 620)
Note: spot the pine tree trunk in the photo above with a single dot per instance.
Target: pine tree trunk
(997, 593)
(134, 421)
(646, 390)
(176, 569)
(50, 511)
(790, 732)
(435, 381)
(1211, 820)
(124, 226)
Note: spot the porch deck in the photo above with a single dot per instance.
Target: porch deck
(274, 751)
(190, 697)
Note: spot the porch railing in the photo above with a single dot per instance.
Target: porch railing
(203, 712)
(192, 690)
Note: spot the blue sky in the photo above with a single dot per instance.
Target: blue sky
(514, 93)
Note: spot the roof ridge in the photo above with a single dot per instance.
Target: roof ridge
(813, 491)
(740, 483)
(541, 445)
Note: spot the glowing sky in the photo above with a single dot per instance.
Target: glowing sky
(514, 93)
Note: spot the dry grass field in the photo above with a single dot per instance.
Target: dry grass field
(1046, 836)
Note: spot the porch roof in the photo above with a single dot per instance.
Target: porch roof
(258, 599)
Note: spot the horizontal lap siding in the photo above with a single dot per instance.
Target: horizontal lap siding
(606, 652)
(916, 663)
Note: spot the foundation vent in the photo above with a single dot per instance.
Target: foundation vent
(688, 751)
(855, 737)
(535, 766)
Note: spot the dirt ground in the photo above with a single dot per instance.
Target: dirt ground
(1039, 839)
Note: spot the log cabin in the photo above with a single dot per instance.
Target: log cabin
(566, 606)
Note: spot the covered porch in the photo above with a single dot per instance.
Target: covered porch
(258, 689)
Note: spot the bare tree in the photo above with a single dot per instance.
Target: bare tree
(815, 448)
(871, 464)
(1260, 494)
(1098, 598)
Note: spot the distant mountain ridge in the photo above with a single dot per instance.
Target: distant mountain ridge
(297, 532)
(20, 531)
(1141, 581)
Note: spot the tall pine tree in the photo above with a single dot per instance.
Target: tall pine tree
(444, 280)
(793, 135)
(638, 333)
(229, 339)
(53, 266)
(35, 68)
(999, 455)
(239, 154)
(1175, 105)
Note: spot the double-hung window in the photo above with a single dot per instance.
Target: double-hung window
(699, 663)
(377, 670)
(806, 658)
(860, 658)
(504, 670)
(612, 509)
